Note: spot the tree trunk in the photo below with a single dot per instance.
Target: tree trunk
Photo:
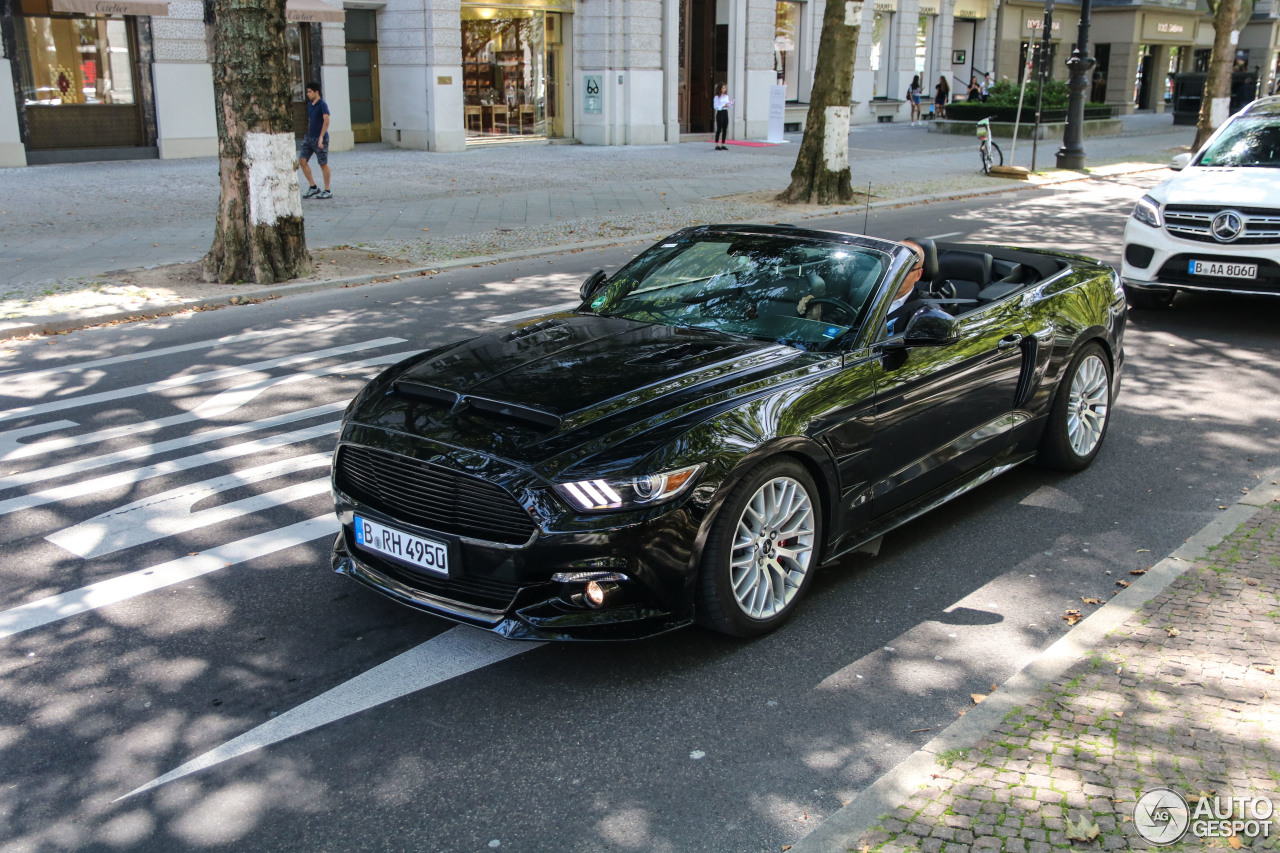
(821, 173)
(1217, 83)
(259, 235)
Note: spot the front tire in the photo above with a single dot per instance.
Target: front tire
(1080, 414)
(762, 550)
(1144, 300)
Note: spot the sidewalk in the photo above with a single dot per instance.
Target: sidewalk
(63, 227)
(1172, 683)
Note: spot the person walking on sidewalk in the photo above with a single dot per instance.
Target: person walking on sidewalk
(913, 95)
(720, 105)
(315, 142)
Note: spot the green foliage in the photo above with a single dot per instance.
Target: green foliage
(1005, 94)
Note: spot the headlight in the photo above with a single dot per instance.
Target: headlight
(632, 493)
(1147, 210)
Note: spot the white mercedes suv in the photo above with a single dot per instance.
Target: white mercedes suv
(1215, 225)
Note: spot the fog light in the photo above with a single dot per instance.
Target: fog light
(598, 593)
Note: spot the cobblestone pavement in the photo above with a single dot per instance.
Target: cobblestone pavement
(60, 222)
(1183, 694)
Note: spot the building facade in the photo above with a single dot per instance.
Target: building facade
(129, 79)
(100, 79)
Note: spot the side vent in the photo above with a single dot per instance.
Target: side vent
(678, 354)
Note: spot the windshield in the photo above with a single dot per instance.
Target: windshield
(800, 292)
(1246, 142)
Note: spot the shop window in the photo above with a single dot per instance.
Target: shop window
(786, 47)
(1036, 48)
(1202, 60)
(1098, 90)
(880, 26)
(75, 60)
(1241, 62)
(504, 79)
(922, 46)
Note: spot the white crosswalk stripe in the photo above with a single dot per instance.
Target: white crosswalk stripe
(190, 379)
(181, 514)
(164, 469)
(217, 406)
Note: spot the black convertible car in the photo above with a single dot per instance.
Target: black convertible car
(726, 414)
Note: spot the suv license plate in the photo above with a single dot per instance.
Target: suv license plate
(1224, 270)
(426, 554)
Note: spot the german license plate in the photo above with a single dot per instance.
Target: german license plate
(426, 554)
(1223, 269)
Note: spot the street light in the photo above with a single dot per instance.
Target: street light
(1071, 154)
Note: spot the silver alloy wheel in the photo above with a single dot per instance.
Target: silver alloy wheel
(772, 548)
(1088, 405)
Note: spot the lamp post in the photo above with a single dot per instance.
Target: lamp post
(1071, 154)
(1043, 71)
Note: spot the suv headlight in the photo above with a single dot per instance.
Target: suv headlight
(632, 493)
(1147, 211)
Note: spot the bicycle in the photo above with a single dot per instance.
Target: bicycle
(986, 145)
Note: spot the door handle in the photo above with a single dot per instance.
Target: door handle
(1009, 341)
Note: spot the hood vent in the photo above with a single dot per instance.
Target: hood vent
(423, 391)
(513, 411)
(678, 354)
(537, 328)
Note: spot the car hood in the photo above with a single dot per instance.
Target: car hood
(1224, 186)
(570, 385)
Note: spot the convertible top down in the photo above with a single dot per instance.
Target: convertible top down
(722, 416)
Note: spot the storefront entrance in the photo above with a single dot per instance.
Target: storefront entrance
(362, 75)
(78, 80)
(512, 70)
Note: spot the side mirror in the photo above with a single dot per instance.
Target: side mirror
(592, 284)
(1180, 162)
(931, 327)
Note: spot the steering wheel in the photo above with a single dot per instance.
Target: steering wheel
(845, 308)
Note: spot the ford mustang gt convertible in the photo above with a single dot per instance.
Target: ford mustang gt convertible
(733, 409)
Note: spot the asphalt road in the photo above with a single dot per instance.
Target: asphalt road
(168, 621)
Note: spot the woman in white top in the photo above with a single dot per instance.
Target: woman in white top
(720, 104)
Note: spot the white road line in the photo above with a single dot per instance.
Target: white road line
(944, 236)
(164, 469)
(154, 353)
(216, 406)
(455, 652)
(191, 379)
(533, 312)
(57, 607)
(170, 513)
(142, 451)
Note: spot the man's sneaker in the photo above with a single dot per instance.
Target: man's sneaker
(311, 193)
(325, 194)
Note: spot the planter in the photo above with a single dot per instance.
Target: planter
(1048, 130)
(966, 111)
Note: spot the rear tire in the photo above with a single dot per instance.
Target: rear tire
(762, 550)
(1146, 300)
(1080, 414)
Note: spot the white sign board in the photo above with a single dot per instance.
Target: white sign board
(777, 112)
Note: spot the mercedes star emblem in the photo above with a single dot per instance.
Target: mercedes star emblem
(1227, 226)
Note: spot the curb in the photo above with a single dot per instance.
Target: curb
(57, 323)
(842, 830)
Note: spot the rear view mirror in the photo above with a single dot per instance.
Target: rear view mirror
(592, 284)
(1180, 162)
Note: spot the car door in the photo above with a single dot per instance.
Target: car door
(942, 411)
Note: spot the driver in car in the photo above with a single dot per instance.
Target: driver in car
(906, 301)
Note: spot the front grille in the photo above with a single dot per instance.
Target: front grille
(1176, 271)
(1192, 221)
(432, 496)
(477, 592)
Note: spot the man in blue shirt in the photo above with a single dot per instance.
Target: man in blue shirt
(316, 142)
